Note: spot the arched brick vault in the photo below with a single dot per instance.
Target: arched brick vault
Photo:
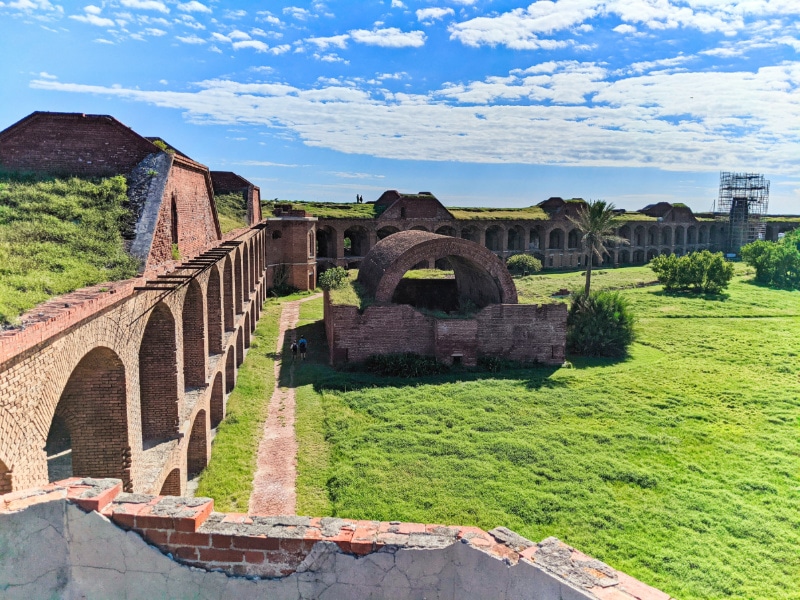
(481, 276)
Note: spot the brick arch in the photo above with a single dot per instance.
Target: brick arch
(227, 293)
(197, 452)
(253, 265)
(230, 370)
(214, 307)
(172, 484)
(481, 277)
(217, 404)
(6, 481)
(239, 347)
(158, 376)
(326, 241)
(253, 315)
(245, 272)
(246, 329)
(494, 238)
(237, 282)
(91, 420)
(194, 336)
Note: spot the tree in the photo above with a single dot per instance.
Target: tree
(699, 272)
(596, 220)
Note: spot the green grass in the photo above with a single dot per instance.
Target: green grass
(57, 236)
(533, 213)
(328, 210)
(679, 465)
(231, 211)
(228, 479)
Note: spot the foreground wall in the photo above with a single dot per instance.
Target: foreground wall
(53, 543)
(522, 332)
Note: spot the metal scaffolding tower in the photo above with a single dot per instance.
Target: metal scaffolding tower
(744, 198)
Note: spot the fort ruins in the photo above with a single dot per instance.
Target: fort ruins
(109, 395)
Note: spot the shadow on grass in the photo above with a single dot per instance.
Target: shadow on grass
(316, 371)
(720, 297)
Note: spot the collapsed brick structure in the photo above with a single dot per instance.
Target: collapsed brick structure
(656, 229)
(501, 327)
(127, 379)
(70, 540)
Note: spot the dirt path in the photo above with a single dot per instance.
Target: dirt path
(276, 465)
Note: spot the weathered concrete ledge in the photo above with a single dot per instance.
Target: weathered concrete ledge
(140, 546)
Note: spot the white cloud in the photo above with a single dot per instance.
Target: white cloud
(624, 28)
(156, 5)
(163, 82)
(348, 175)
(103, 41)
(46, 75)
(330, 58)
(235, 14)
(155, 32)
(238, 35)
(429, 15)
(267, 17)
(92, 9)
(220, 37)
(301, 14)
(323, 43)
(398, 4)
(93, 19)
(256, 45)
(193, 6)
(190, 39)
(565, 113)
(281, 49)
(389, 38)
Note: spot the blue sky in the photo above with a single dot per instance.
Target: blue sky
(486, 103)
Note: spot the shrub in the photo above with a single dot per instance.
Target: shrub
(523, 264)
(700, 272)
(777, 264)
(599, 324)
(406, 364)
(332, 279)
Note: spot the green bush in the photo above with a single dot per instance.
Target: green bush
(599, 324)
(406, 364)
(700, 272)
(523, 264)
(332, 279)
(777, 264)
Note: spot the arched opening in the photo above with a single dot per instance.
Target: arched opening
(172, 484)
(6, 485)
(666, 251)
(88, 436)
(447, 230)
(245, 274)
(472, 234)
(246, 330)
(691, 235)
(311, 244)
(638, 236)
(624, 257)
(230, 370)
(666, 236)
(652, 236)
(679, 236)
(253, 316)
(197, 452)
(217, 404)
(237, 282)
(214, 294)
(227, 293)
(158, 377)
(535, 240)
(173, 218)
(239, 347)
(356, 241)
(678, 251)
(625, 233)
(516, 239)
(194, 337)
(386, 231)
(556, 241)
(702, 235)
(651, 254)
(276, 235)
(573, 239)
(494, 238)
(326, 242)
(443, 265)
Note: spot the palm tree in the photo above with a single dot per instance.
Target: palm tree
(596, 220)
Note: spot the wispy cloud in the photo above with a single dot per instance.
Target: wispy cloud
(194, 6)
(156, 5)
(390, 37)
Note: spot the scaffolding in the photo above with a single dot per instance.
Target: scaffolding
(743, 197)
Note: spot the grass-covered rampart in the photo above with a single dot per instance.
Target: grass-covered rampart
(57, 236)
(231, 211)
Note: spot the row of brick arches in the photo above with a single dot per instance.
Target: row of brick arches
(355, 241)
(147, 381)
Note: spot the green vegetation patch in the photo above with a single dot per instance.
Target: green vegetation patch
(679, 464)
(57, 236)
(328, 210)
(232, 211)
(228, 479)
(533, 213)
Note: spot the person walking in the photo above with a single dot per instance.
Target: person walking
(294, 349)
(302, 345)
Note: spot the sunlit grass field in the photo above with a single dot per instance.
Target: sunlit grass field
(679, 465)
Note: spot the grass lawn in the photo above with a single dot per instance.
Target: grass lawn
(679, 465)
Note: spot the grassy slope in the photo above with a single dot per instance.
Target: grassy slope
(678, 465)
(232, 211)
(57, 236)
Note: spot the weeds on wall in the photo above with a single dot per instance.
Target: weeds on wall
(280, 282)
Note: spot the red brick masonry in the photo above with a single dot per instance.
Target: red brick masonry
(238, 544)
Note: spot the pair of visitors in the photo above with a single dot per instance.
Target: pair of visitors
(301, 346)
